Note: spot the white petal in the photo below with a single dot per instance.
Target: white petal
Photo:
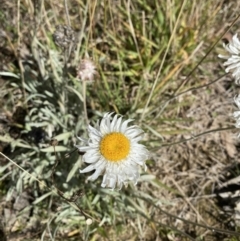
(88, 158)
(84, 148)
(124, 125)
(95, 175)
(113, 123)
(87, 169)
(82, 139)
(233, 60)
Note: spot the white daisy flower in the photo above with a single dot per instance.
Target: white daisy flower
(236, 114)
(233, 59)
(113, 150)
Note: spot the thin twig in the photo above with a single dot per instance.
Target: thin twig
(81, 34)
(195, 136)
(213, 229)
(188, 90)
(43, 184)
(75, 195)
(186, 199)
(84, 86)
(19, 56)
(67, 13)
(133, 31)
(210, 49)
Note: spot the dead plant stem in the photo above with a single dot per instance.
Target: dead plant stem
(67, 12)
(18, 53)
(84, 86)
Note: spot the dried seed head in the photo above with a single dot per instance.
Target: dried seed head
(54, 142)
(64, 36)
(89, 221)
(86, 70)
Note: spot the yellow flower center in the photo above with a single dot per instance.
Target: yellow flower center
(115, 146)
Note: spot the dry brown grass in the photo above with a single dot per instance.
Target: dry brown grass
(184, 182)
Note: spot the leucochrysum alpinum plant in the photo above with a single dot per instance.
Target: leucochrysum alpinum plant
(233, 59)
(113, 150)
(112, 126)
(233, 65)
(236, 114)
